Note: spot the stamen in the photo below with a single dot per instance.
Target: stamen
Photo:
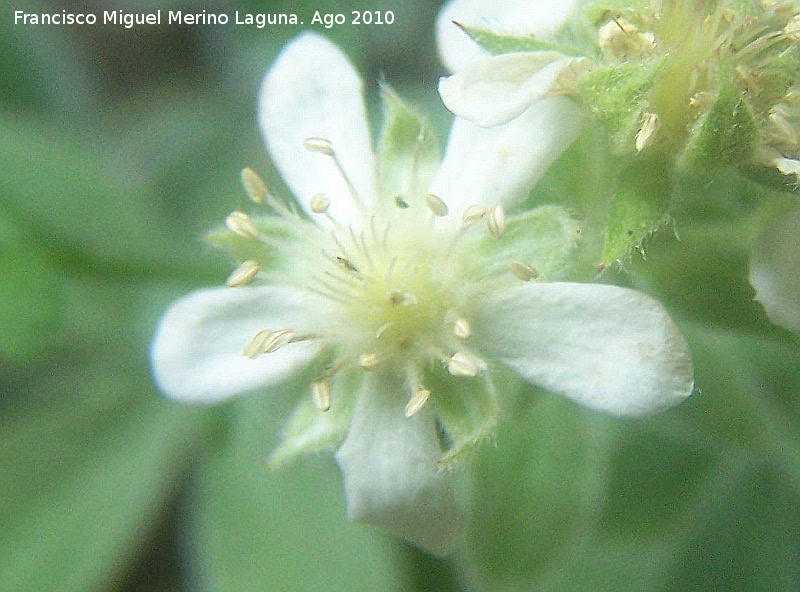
(368, 360)
(254, 185)
(319, 203)
(321, 395)
(256, 345)
(320, 145)
(437, 207)
(496, 220)
(417, 402)
(243, 274)
(278, 339)
(461, 364)
(472, 214)
(461, 328)
(240, 223)
(646, 134)
(523, 271)
(325, 147)
(381, 330)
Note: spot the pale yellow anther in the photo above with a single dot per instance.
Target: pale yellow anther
(792, 29)
(278, 339)
(320, 145)
(254, 185)
(321, 395)
(417, 402)
(523, 271)
(436, 205)
(472, 214)
(620, 38)
(320, 203)
(240, 223)
(646, 134)
(461, 328)
(368, 360)
(243, 274)
(256, 345)
(462, 364)
(496, 220)
(381, 330)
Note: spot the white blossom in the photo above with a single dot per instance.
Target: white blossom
(397, 308)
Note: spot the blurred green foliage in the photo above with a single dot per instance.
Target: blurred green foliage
(120, 149)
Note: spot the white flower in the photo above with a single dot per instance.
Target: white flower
(397, 294)
(775, 270)
(491, 90)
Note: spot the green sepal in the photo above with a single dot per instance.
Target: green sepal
(638, 207)
(616, 96)
(497, 43)
(408, 152)
(543, 238)
(243, 249)
(467, 411)
(727, 134)
(310, 430)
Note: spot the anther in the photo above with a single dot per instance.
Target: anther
(437, 207)
(792, 29)
(417, 402)
(646, 133)
(461, 328)
(277, 340)
(321, 395)
(320, 203)
(472, 214)
(240, 223)
(401, 203)
(320, 145)
(496, 220)
(243, 274)
(254, 185)
(397, 298)
(256, 345)
(462, 364)
(523, 271)
(368, 360)
(346, 264)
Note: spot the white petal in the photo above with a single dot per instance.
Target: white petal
(196, 353)
(390, 473)
(535, 18)
(609, 348)
(775, 271)
(494, 90)
(312, 91)
(502, 163)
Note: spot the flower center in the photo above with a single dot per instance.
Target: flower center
(393, 280)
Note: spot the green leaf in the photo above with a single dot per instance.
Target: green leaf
(310, 430)
(85, 473)
(639, 206)
(285, 530)
(31, 308)
(497, 43)
(408, 154)
(467, 409)
(543, 238)
(616, 95)
(241, 248)
(534, 491)
(727, 134)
